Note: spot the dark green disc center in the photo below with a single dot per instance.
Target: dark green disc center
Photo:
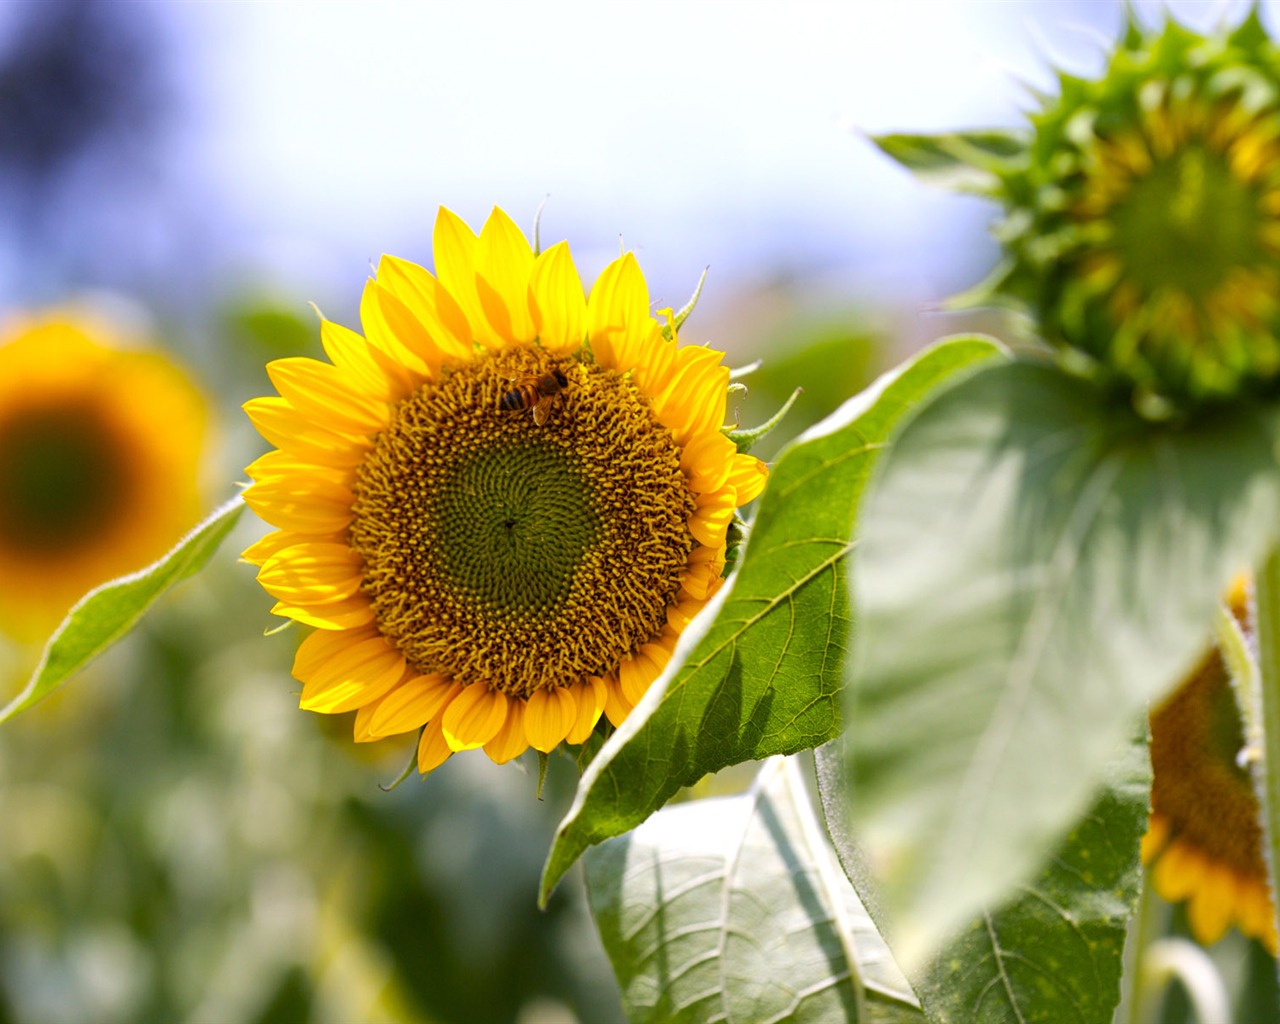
(514, 525)
(1187, 224)
(60, 478)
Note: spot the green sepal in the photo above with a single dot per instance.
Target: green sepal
(408, 768)
(958, 161)
(746, 437)
(677, 321)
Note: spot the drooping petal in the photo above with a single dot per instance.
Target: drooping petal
(510, 742)
(590, 697)
(433, 750)
(707, 460)
(474, 716)
(549, 715)
(353, 676)
(616, 706)
(412, 704)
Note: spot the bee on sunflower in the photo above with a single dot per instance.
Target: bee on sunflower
(496, 572)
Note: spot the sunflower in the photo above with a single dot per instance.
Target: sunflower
(1142, 214)
(501, 505)
(1204, 841)
(99, 458)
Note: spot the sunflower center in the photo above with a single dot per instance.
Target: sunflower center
(1187, 224)
(521, 531)
(60, 478)
(1199, 786)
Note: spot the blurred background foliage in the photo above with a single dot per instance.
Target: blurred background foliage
(179, 842)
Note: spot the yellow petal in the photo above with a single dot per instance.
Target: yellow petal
(412, 704)
(694, 402)
(309, 506)
(680, 614)
(637, 673)
(356, 358)
(352, 677)
(319, 648)
(455, 247)
(433, 751)
(616, 705)
(747, 476)
(275, 464)
(510, 742)
(1178, 872)
(288, 429)
(710, 521)
(618, 313)
(258, 552)
(590, 697)
(348, 614)
(312, 573)
(504, 263)
(1211, 906)
(1156, 836)
(556, 301)
(394, 335)
(707, 459)
(549, 715)
(474, 717)
(324, 393)
(431, 303)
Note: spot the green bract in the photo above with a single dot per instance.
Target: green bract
(1142, 213)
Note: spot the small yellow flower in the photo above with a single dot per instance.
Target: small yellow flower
(1204, 843)
(99, 459)
(501, 505)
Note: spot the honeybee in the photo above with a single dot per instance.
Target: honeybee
(536, 391)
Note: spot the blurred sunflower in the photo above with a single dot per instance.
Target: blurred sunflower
(1204, 842)
(1142, 212)
(501, 505)
(99, 458)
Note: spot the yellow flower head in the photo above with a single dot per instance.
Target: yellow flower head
(99, 460)
(501, 505)
(1204, 843)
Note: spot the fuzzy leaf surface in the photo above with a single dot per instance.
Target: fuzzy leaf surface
(1035, 566)
(759, 672)
(1053, 951)
(111, 610)
(734, 910)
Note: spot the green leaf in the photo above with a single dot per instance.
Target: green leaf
(734, 910)
(1035, 566)
(958, 161)
(760, 671)
(109, 611)
(1053, 952)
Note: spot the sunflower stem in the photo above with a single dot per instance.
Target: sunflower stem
(1265, 710)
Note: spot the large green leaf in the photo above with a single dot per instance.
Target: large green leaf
(734, 910)
(959, 161)
(109, 611)
(1053, 952)
(1035, 566)
(760, 672)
